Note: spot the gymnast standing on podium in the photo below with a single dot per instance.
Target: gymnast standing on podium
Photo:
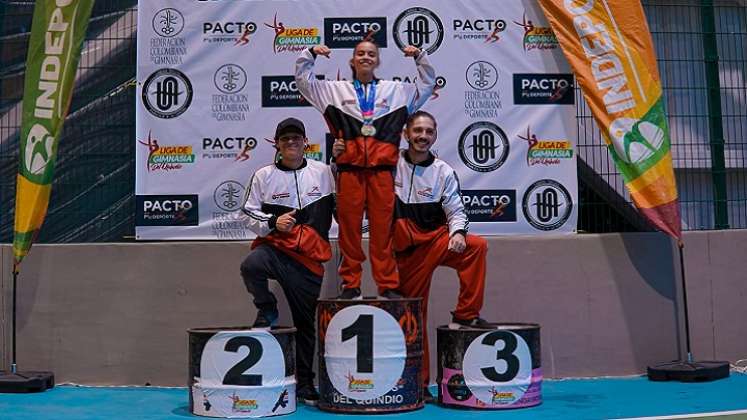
(368, 114)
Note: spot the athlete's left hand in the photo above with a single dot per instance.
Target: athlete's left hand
(457, 243)
(411, 51)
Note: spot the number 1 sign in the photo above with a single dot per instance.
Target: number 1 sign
(365, 352)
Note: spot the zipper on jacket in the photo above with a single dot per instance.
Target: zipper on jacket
(412, 181)
(365, 152)
(409, 198)
(298, 196)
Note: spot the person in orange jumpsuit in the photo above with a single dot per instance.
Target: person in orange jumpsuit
(430, 230)
(368, 114)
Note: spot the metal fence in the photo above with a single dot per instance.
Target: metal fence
(701, 47)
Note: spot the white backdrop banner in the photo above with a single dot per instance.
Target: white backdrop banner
(215, 77)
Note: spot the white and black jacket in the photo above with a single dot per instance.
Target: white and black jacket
(338, 103)
(275, 190)
(428, 198)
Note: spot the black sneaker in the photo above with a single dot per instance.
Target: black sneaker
(427, 396)
(391, 294)
(476, 322)
(266, 319)
(306, 394)
(351, 293)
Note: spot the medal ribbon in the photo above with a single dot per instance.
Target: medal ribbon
(366, 103)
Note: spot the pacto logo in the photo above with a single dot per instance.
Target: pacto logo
(487, 30)
(420, 27)
(482, 75)
(543, 89)
(440, 83)
(483, 146)
(281, 91)
(236, 32)
(547, 204)
(230, 78)
(490, 205)
(228, 195)
(347, 32)
(167, 93)
(166, 210)
(168, 22)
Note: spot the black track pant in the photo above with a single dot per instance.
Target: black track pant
(301, 288)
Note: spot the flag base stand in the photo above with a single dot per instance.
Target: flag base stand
(20, 382)
(689, 370)
(25, 382)
(683, 371)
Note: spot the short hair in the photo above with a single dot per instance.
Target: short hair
(418, 114)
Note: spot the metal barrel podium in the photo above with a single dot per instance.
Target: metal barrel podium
(239, 372)
(370, 355)
(496, 368)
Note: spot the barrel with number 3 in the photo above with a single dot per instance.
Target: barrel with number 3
(490, 368)
(242, 372)
(370, 354)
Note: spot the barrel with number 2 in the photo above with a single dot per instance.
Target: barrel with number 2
(490, 368)
(242, 372)
(370, 354)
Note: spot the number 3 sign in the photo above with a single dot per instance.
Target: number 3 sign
(498, 367)
(365, 352)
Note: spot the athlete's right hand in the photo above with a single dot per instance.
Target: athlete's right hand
(285, 222)
(339, 146)
(321, 49)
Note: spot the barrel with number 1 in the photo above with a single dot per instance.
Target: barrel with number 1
(370, 354)
(242, 372)
(493, 368)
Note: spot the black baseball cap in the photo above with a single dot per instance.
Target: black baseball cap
(290, 125)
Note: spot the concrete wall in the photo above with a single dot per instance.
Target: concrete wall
(118, 313)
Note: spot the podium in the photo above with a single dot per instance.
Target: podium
(370, 355)
(239, 372)
(497, 368)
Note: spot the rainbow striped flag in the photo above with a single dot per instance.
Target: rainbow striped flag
(57, 34)
(609, 47)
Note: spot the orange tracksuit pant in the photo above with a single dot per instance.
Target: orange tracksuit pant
(372, 190)
(416, 267)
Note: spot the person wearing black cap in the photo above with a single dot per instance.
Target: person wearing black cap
(289, 206)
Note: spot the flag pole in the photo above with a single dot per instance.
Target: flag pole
(688, 370)
(680, 246)
(15, 381)
(13, 365)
